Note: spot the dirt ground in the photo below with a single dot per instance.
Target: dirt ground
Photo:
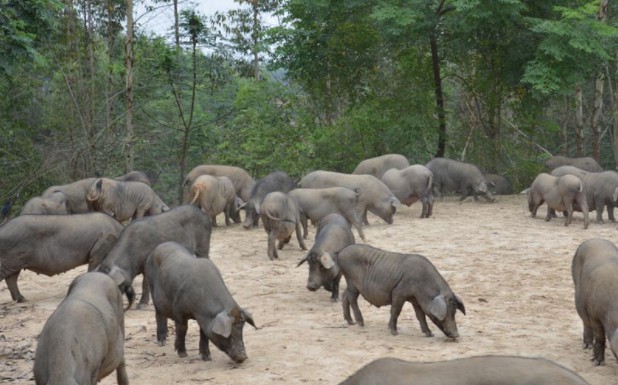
(512, 272)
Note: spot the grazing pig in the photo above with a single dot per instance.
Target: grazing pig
(565, 193)
(387, 278)
(379, 165)
(54, 204)
(183, 288)
(601, 189)
(411, 184)
(374, 195)
(53, 244)
(281, 218)
(83, 340)
(135, 176)
(275, 181)
(316, 203)
(454, 176)
(215, 195)
(595, 272)
(333, 235)
(124, 200)
(74, 193)
(586, 163)
(242, 181)
(184, 224)
(480, 370)
(499, 184)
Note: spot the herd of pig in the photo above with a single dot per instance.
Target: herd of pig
(170, 247)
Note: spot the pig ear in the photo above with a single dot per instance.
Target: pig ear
(222, 324)
(438, 307)
(247, 317)
(327, 261)
(483, 187)
(395, 202)
(460, 305)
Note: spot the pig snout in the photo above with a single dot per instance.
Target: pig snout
(238, 354)
(313, 285)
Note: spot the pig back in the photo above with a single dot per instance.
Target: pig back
(594, 270)
(377, 166)
(503, 370)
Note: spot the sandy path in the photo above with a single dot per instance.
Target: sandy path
(511, 271)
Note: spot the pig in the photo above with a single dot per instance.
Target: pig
(334, 234)
(584, 163)
(479, 370)
(388, 278)
(601, 189)
(124, 200)
(275, 181)
(411, 184)
(280, 217)
(594, 270)
(54, 204)
(499, 184)
(83, 340)
(315, 204)
(374, 195)
(565, 193)
(74, 193)
(185, 224)
(454, 176)
(215, 195)
(185, 287)
(379, 165)
(135, 176)
(54, 244)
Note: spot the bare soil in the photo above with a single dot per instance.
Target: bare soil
(512, 272)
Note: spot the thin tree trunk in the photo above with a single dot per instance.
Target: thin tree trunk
(255, 36)
(564, 124)
(615, 109)
(109, 93)
(129, 87)
(595, 129)
(435, 59)
(579, 122)
(176, 29)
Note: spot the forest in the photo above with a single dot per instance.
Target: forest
(300, 85)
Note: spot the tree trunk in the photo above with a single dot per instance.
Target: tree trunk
(596, 115)
(109, 93)
(255, 36)
(435, 59)
(615, 109)
(176, 29)
(129, 87)
(564, 124)
(579, 122)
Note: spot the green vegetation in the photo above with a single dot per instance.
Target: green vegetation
(499, 83)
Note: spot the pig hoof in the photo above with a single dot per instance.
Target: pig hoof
(428, 334)
(598, 362)
(205, 357)
(182, 354)
(394, 332)
(21, 299)
(141, 306)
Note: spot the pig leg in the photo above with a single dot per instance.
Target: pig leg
(610, 212)
(396, 307)
(204, 350)
(121, 374)
(420, 315)
(11, 282)
(600, 204)
(161, 327)
(569, 210)
(588, 337)
(598, 347)
(145, 298)
(350, 298)
(272, 251)
(301, 243)
(303, 221)
(334, 297)
(181, 332)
